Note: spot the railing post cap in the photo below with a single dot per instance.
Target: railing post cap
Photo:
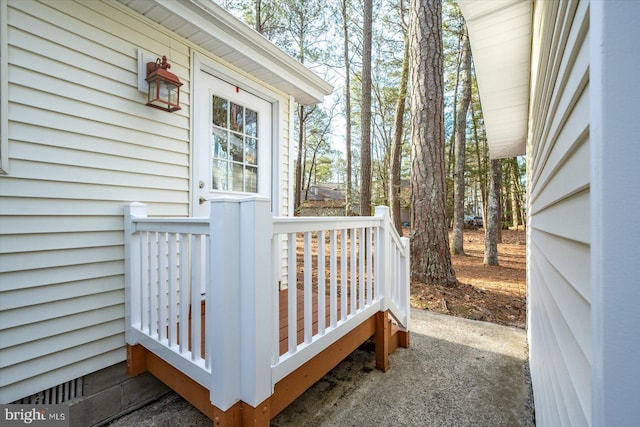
(244, 199)
(255, 198)
(136, 209)
(381, 210)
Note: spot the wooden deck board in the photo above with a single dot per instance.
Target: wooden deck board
(284, 307)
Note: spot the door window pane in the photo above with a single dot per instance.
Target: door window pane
(237, 118)
(219, 175)
(234, 147)
(251, 150)
(236, 177)
(220, 148)
(251, 179)
(220, 112)
(251, 126)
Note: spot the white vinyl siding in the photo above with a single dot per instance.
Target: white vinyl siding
(4, 105)
(286, 162)
(559, 215)
(82, 144)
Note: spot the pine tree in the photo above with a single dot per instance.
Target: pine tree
(365, 144)
(430, 257)
(492, 220)
(461, 146)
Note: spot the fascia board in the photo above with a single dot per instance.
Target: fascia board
(214, 21)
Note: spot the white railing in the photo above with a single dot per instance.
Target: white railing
(337, 298)
(394, 278)
(165, 279)
(341, 269)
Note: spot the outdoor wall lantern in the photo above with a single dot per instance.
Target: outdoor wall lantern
(164, 87)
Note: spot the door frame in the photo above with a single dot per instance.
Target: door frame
(201, 64)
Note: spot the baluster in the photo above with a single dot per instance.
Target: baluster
(162, 286)
(361, 257)
(392, 268)
(370, 249)
(377, 267)
(308, 288)
(154, 293)
(344, 259)
(145, 306)
(292, 290)
(196, 285)
(322, 285)
(185, 289)
(353, 297)
(333, 274)
(397, 275)
(173, 289)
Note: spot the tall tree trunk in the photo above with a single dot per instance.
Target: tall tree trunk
(365, 148)
(396, 150)
(479, 156)
(347, 108)
(452, 139)
(430, 256)
(492, 221)
(461, 146)
(515, 197)
(298, 184)
(311, 169)
(258, 11)
(450, 158)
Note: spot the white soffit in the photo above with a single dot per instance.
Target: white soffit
(500, 36)
(214, 29)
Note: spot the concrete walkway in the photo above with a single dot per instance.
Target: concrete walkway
(457, 372)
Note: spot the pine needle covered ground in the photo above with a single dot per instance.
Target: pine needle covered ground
(493, 294)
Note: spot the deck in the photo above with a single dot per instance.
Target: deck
(257, 348)
(291, 387)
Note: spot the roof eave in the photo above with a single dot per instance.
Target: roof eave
(251, 51)
(500, 36)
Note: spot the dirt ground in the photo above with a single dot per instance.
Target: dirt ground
(493, 294)
(489, 293)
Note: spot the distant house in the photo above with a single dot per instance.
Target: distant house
(328, 199)
(122, 226)
(558, 84)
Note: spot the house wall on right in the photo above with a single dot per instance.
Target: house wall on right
(559, 196)
(583, 153)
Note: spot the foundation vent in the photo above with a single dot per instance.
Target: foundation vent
(54, 395)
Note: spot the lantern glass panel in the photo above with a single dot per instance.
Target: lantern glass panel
(173, 94)
(153, 90)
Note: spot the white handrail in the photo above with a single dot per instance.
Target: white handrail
(283, 225)
(361, 264)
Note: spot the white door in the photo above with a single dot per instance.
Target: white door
(232, 152)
